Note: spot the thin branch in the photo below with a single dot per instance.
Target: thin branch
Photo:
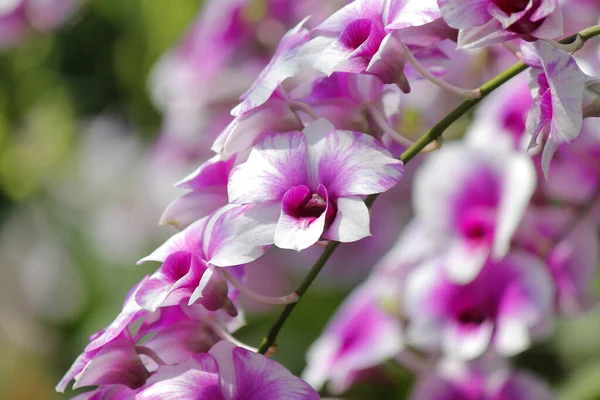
(568, 47)
(261, 298)
(223, 334)
(471, 93)
(147, 351)
(269, 340)
(514, 50)
(383, 124)
(297, 105)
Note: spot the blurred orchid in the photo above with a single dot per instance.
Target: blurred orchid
(475, 205)
(21, 18)
(484, 380)
(360, 336)
(507, 305)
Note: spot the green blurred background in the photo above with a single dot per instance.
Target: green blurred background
(65, 260)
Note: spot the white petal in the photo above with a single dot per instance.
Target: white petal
(351, 222)
(240, 234)
(517, 188)
(512, 337)
(467, 345)
(273, 166)
(298, 234)
(464, 261)
(349, 163)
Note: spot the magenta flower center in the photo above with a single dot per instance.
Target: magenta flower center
(511, 6)
(478, 225)
(471, 317)
(356, 33)
(303, 204)
(524, 26)
(514, 122)
(313, 206)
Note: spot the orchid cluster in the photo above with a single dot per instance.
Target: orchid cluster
(504, 235)
(20, 18)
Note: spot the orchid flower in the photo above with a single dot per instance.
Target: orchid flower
(486, 22)
(309, 184)
(474, 206)
(482, 380)
(572, 257)
(284, 64)
(365, 37)
(360, 336)
(507, 305)
(194, 260)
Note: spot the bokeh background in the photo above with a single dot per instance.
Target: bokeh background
(82, 189)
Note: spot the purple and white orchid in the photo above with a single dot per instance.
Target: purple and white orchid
(122, 355)
(507, 305)
(485, 22)
(309, 184)
(365, 37)
(360, 336)
(476, 205)
(482, 380)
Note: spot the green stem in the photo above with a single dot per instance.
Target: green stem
(433, 134)
(269, 340)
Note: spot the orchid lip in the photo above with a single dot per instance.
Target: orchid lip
(305, 205)
(511, 6)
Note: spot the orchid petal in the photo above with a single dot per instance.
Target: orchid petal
(349, 163)
(283, 65)
(403, 14)
(273, 166)
(197, 379)
(298, 232)
(239, 234)
(249, 376)
(517, 189)
(351, 222)
(464, 14)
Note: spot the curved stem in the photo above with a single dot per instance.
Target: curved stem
(433, 134)
(223, 334)
(473, 94)
(261, 298)
(269, 340)
(147, 351)
(305, 108)
(383, 124)
(512, 48)
(568, 47)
